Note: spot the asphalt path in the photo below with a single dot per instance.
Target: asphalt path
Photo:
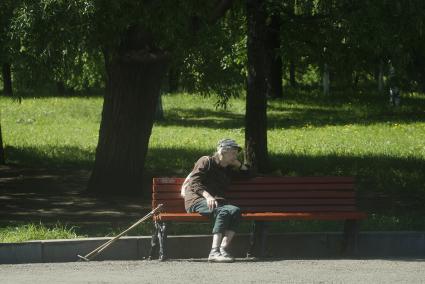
(200, 271)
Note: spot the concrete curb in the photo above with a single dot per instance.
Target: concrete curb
(288, 245)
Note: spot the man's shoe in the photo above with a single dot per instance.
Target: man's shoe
(217, 257)
(225, 253)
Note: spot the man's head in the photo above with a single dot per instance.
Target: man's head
(228, 144)
(228, 150)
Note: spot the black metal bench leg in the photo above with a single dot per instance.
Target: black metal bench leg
(350, 238)
(154, 243)
(162, 236)
(258, 239)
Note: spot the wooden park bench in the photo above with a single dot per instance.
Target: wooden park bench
(265, 199)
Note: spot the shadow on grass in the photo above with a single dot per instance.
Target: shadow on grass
(50, 157)
(387, 186)
(202, 117)
(283, 116)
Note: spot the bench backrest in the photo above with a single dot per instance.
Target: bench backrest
(270, 194)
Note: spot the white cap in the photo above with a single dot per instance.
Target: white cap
(227, 144)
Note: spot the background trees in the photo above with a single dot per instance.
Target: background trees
(127, 48)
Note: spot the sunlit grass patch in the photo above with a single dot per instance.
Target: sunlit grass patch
(31, 231)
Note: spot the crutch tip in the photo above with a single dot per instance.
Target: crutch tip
(83, 258)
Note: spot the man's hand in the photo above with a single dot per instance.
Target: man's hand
(236, 163)
(211, 202)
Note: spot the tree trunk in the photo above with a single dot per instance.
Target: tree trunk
(326, 80)
(134, 75)
(7, 79)
(256, 102)
(292, 79)
(2, 159)
(273, 58)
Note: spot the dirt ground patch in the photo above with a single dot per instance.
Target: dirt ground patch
(46, 195)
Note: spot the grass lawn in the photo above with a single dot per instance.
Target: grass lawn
(355, 135)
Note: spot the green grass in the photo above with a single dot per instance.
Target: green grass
(31, 231)
(54, 132)
(345, 134)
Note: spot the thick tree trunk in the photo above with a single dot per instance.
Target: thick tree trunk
(7, 79)
(133, 83)
(273, 58)
(2, 159)
(256, 102)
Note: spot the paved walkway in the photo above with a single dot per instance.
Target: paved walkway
(279, 271)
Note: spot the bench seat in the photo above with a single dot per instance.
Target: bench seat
(266, 216)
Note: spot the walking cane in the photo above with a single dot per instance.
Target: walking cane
(91, 255)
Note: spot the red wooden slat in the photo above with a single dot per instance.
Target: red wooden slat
(251, 209)
(166, 195)
(316, 208)
(266, 187)
(171, 209)
(291, 202)
(290, 194)
(304, 216)
(290, 187)
(166, 188)
(301, 180)
(270, 202)
(268, 180)
(184, 217)
(273, 194)
(168, 180)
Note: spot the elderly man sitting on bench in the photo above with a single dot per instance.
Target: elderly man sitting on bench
(203, 192)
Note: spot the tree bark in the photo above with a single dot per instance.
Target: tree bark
(2, 159)
(7, 79)
(256, 101)
(134, 75)
(273, 59)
